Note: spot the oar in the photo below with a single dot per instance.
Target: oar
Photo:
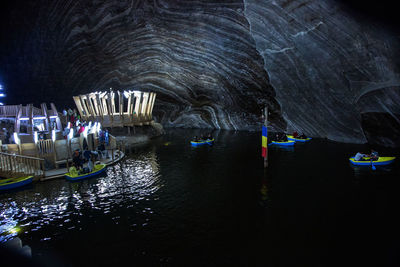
(372, 166)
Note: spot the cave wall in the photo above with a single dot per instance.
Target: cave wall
(321, 69)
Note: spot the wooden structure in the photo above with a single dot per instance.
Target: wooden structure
(17, 165)
(48, 118)
(117, 109)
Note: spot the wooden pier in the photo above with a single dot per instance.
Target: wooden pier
(132, 108)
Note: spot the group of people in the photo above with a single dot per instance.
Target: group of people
(373, 155)
(71, 115)
(6, 136)
(202, 137)
(282, 137)
(79, 159)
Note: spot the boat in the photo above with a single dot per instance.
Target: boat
(98, 168)
(11, 183)
(303, 140)
(367, 161)
(283, 143)
(202, 142)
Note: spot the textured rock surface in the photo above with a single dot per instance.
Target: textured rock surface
(321, 69)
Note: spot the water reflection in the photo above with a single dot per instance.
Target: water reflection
(26, 211)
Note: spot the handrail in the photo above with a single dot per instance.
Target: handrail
(17, 165)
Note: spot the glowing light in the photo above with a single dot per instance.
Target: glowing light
(2, 95)
(39, 118)
(35, 137)
(69, 125)
(24, 119)
(1, 104)
(53, 135)
(53, 116)
(126, 94)
(16, 138)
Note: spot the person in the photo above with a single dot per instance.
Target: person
(359, 156)
(374, 155)
(91, 164)
(64, 112)
(81, 129)
(209, 137)
(284, 137)
(87, 154)
(76, 159)
(106, 139)
(102, 149)
(295, 134)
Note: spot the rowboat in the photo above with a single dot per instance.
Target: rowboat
(202, 142)
(11, 183)
(303, 140)
(367, 161)
(98, 168)
(283, 143)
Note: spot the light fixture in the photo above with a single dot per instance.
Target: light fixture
(16, 138)
(53, 135)
(35, 137)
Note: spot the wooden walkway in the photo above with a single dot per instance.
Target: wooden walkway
(59, 173)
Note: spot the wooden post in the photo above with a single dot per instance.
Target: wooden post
(266, 125)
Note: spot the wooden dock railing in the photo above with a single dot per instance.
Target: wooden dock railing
(16, 166)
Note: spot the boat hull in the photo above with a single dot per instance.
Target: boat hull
(381, 161)
(99, 169)
(287, 143)
(15, 182)
(290, 137)
(202, 143)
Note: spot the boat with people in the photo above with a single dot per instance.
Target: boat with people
(75, 175)
(11, 183)
(283, 143)
(366, 161)
(202, 142)
(297, 139)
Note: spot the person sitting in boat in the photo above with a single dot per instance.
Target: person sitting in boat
(209, 136)
(359, 156)
(295, 134)
(374, 155)
(91, 164)
(76, 159)
(86, 155)
(195, 138)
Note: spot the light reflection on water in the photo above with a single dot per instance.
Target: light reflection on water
(135, 178)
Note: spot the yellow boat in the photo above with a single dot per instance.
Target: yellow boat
(98, 168)
(367, 161)
(11, 183)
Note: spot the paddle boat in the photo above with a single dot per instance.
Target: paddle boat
(75, 176)
(11, 183)
(202, 142)
(283, 143)
(303, 140)
(367, 161)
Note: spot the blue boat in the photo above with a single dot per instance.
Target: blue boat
(302, 140)
(11, 183)
(98, 168)
(285, 143)
(202, 142)
(367, 162)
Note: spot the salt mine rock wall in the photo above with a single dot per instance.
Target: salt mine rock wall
(320, 69)
(198, 57)
(329, 69)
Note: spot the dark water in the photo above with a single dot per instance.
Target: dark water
(168, 204)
